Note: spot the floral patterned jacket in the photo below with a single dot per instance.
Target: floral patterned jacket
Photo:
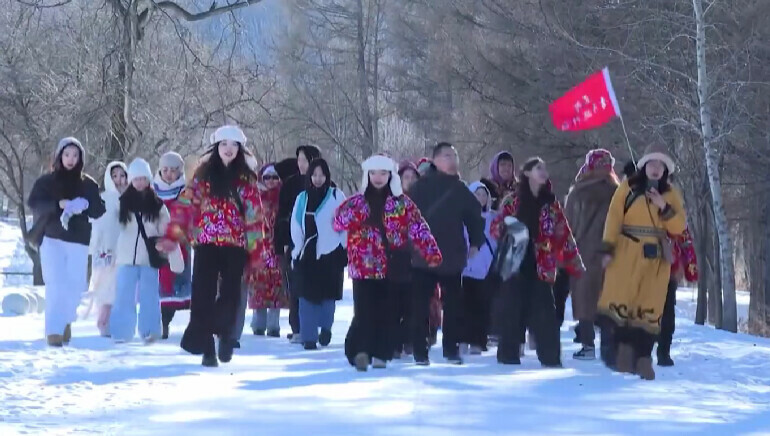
(685, 264)
(367, 258)
(555, 246)
(201, 219)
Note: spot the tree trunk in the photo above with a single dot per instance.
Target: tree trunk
(727, 266)
(367, 143)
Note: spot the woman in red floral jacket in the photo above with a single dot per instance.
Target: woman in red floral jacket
(217, 215)
(684, 268)
(381, 222)
(528, 297)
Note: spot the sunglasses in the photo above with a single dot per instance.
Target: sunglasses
(266, 178)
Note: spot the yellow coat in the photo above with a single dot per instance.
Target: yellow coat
(635, 288)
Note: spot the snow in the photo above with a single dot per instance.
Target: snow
(720, 385)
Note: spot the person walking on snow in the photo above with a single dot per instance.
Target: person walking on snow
(502, 170)
(62, 203)
(104, 240)
(218, 211)
(637, 259)
(477, 293)
(528, 297)
(586, 209)
(290, 188)
(143, 221)
(318, 256)
(267, 296)
(447, 206)
(175, 289)
(382, 224)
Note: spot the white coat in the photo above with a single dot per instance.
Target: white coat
(131, 248)
(328, 239)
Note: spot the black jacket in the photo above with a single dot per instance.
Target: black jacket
(44, 202)
(447, 215)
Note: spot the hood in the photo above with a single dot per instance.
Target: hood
(473, 187)
(109, 185)
(493, 170)
(287, 168)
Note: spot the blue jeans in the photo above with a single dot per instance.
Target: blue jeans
(312, 316)
(266, 319)
(132, 281)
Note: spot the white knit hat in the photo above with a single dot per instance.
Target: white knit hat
(64, 142)
(270, 170)
(172, 160)
(139, 168)
(233, 133)
(381, 162)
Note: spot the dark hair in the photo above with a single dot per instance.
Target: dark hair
(638, 182)
(629, 169)
(310, 151)
(524, 191)
(438, 148)
(222, 178)
(318, 163)
(146, 203)
(505, 156)
(405, 169)
(67, 181)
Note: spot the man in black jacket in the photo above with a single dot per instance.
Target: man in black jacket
(291, 187)
(448, 207)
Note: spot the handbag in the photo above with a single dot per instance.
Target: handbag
(36, 233)
(157, 259)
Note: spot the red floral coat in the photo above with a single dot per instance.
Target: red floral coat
(263, 274)
(685, 264)
(201, 219)
(367, 258)
(555, 246)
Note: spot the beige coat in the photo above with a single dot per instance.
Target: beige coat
(131, 249)
(586, 210)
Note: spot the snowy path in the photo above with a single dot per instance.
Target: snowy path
(720, 386)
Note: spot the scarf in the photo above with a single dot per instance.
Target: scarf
(167, 191)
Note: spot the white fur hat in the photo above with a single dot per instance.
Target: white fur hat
(382, 162)
(139, 168)
(233, 133)
(657, 152)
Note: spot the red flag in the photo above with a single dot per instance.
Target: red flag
(589, 105)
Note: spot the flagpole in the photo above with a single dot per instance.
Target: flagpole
(628, 142)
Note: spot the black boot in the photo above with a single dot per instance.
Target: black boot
(210, 361)
(164, 335)
(226, 347)
(325, 337)
(259, 332)
(311, 346)
(274, 333)
(664, 355)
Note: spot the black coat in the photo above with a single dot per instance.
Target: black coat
(44, 201)
(290, 189)
(447, 215)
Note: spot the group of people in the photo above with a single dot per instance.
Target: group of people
(497, 257)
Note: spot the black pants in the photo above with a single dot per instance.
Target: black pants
(451, 297)
(529, 303)
(476, 314)
(585, 333)
(214, 302)
(286, 272)
(609, 347)
(402, 302)
(560, 294)
(371, 330)
(496, 309)
(668, 320)
(167, 314)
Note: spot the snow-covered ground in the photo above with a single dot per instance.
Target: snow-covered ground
(720, 386)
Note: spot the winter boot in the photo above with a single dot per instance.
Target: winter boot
(210, 361)
(274, 333)
(226, 347)
(475, 350)
(585, 353)
(379, 363)
(55, 340)
(362, 362)
(259, 332)
(325, 337)
(625, 360)
(164, 334)
(644, 368)
(664, 355)
(67, 337)
(422, 361)
(310, 346)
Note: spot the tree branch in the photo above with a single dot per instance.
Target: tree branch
(180, 12)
